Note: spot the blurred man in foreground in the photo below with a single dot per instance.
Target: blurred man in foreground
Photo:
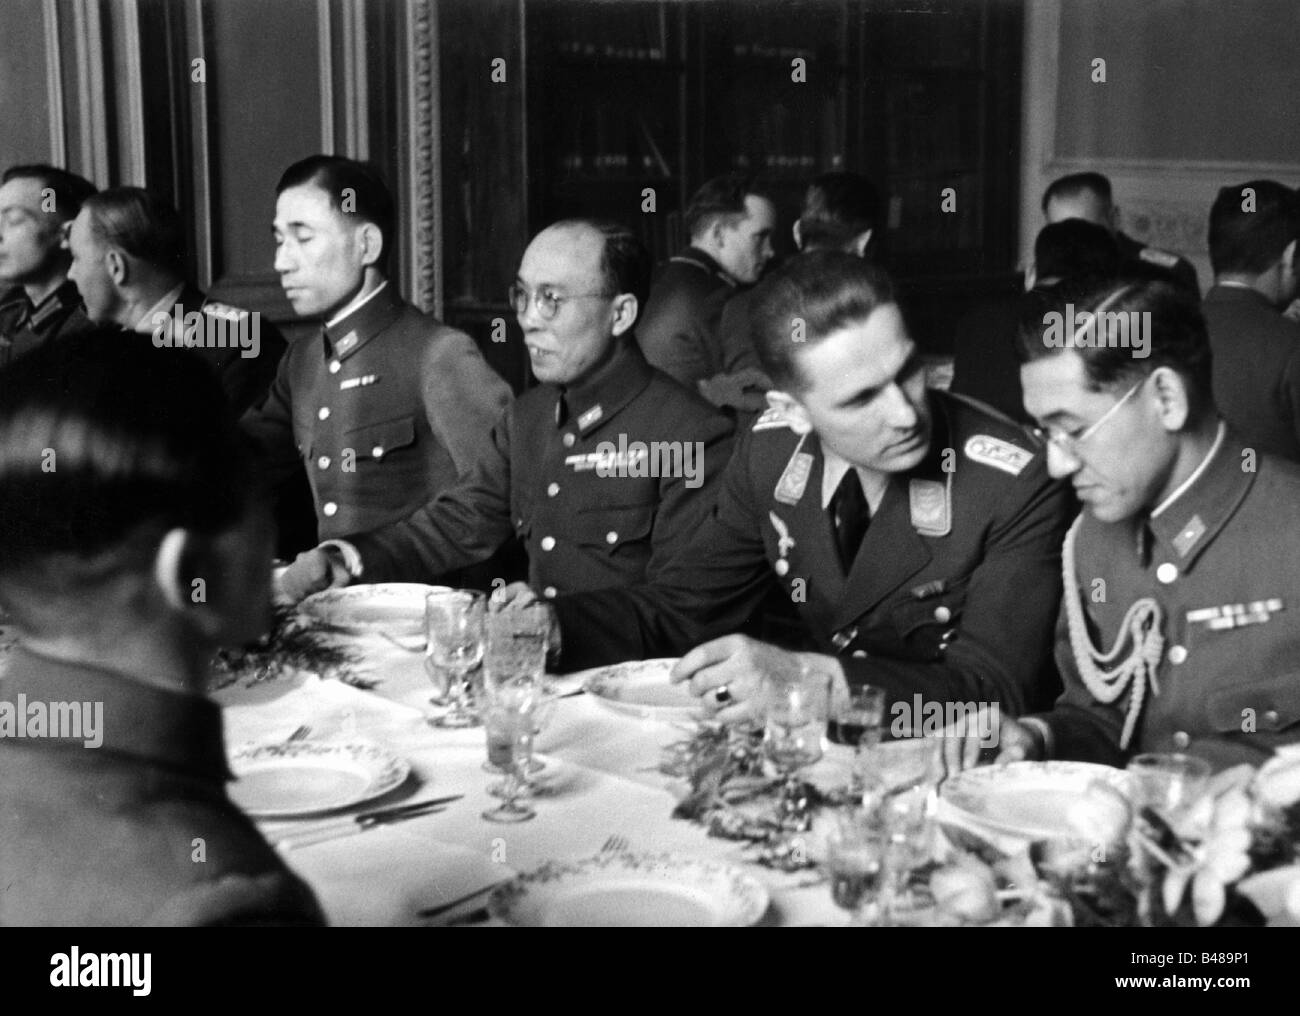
(135, 546)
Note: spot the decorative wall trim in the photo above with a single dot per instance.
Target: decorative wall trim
(131, 99)
(325, 47)
(202, 150)
(54, 83)
(423, 155)
(92, 113)
(356, 97)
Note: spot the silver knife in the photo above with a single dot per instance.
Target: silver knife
(348, 825)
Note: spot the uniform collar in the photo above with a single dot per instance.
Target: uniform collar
(834, 469)
(347, 333)
(601, 396)
(44, 315)
(173, 729)
(1236, 292)
(165, 306)
(704, 262)
(1188, 521)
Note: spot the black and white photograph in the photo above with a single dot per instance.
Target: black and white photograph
(651, 464)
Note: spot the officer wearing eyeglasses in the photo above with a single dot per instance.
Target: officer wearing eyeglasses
(604, 470)
(1180, 620)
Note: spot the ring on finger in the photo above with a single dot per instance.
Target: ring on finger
(722, 694)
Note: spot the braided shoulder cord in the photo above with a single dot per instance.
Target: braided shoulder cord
(1142, 623)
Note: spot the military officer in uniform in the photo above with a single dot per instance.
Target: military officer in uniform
(917, 533)
(1179, 629)
(36, 204)
(387, 407)
(127, 264)
(604, 470)
(1088, 196)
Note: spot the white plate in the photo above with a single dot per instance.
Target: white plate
(641, 688)
(620, 890)
(305, 777)
(396, 608)
(1029, 799)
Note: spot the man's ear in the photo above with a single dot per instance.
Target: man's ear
(372, 243)
(169, 568)
(1288, 257)
(116, 263)
(177, 570)
(626, 309)
(797, 234)
(1115, 218)
(1173, 401)
(791, 410)
(861, 241)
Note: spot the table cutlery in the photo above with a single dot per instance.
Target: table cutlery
(350, 824)
(443, 908)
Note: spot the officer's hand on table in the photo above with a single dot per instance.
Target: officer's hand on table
(311, 571)
(728, 674)
(520, 594)
(1014, 741)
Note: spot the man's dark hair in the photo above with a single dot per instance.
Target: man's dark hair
(838, 208)
(723, 197)
(106, 443)
(370, 198)
(625, 262)
(70, 190)
(811, 296)
(1078, 183)
(1178, 336)
(1251, 242)
(1075, 248)
(139, 223)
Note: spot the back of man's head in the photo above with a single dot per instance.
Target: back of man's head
(68, 191)
(723, 197)
(1074, 248)
(810, 297)
(1079, 185)
(355, 189)
(1251, 224)
(838, 208)
(139, 224)
(106, 444)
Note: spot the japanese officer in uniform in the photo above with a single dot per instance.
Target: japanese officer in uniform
(605, 470)
(1179, 628)
(917, 533)
(388, 406)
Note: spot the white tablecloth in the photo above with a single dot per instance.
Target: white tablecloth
(601, 780)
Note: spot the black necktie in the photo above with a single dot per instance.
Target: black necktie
(849, 517)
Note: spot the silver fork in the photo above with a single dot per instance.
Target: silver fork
(615, 845)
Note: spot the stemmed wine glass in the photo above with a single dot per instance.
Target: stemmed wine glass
(515, 654)
(855, 864)
(543, 713)
(793, 734)
(453, 622)
(508, 717)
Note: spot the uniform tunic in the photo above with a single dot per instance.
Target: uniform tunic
(952, 593)
(386, 410)
(542, 480)
(24, 327)
(1223, 564)
(678, 330)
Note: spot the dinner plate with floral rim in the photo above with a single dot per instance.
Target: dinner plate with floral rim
(618, 889)
(395, 608)
(641, 688)
(1029, 799)
(291, 778)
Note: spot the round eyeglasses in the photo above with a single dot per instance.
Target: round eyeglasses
(1069, 443)
(545, 300)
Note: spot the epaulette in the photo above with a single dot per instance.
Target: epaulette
(772, 419)
(224, 310)
(993, 451)
(1158, 257)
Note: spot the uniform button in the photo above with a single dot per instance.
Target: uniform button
(942, 614)
(782, 567)
(552, 490)
(548, 543)
(330, 509)
(568, 440)
(1181, 739)
(377, 451)
(1177, 654)
(1271, 717)
(1167, 572)
(611, 537)
(335, 366)
(859, 654)
(323, 462)
(549, 592)
(324, 413)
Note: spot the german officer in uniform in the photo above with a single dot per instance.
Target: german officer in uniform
(36, 204)
(604, 471)
(917, 533)
(388, 407)
(1179, 629)
(126, 262)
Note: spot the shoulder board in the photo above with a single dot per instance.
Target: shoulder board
(224, 310)
(1158, 257)
(772, 419)
(1003, 455)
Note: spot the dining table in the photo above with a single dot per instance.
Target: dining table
(601, 789)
